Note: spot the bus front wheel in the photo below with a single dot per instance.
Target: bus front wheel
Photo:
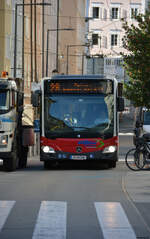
(112, 164)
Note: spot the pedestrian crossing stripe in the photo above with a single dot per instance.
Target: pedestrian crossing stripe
(5, 209)
(52, 220)
(113, 221)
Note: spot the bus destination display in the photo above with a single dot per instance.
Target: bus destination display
(79, 87)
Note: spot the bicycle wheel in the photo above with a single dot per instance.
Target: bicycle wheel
(143, 161)
(140, 159)
(131, 158)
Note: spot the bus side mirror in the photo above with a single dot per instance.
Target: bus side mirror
(138, 124)
(120, 89)
(120, 104)
(36, 125)
(35, 99)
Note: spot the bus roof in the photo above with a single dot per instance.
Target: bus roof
(84, 77)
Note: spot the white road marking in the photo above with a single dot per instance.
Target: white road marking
(113, 221)
(51, 221)
(126, 134)
(5, 209)
(122, 159)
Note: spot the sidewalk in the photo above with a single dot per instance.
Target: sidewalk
(136, 183)
(126, 124)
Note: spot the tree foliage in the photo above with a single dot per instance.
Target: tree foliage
(137, 61)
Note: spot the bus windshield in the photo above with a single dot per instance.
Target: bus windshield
(4, 100)
(74, 116)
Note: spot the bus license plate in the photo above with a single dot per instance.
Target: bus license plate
(79, 157)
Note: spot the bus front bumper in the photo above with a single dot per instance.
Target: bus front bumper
(98, 155)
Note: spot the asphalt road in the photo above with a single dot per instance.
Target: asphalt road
(70, 202)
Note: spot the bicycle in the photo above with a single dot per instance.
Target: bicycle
(138, 158)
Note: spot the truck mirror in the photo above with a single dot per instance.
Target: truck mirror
(120, 104)
(35, 99)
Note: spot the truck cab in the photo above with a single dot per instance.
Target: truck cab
(12, 151)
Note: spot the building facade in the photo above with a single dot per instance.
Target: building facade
(106, 32)
(71, 42)
(5, 36)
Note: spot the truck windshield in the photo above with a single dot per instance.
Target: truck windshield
(4, 100)
(79, 116)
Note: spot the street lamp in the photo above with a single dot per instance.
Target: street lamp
(68, 46)
(15, 38)
(61, 29)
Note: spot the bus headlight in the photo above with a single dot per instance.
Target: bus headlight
(48, 149)
(4, 140)
(110, 149)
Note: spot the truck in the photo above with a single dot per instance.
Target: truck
(79, 118)
(14, 144)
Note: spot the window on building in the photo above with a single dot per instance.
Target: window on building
(134, 12)
(108, 62)
(94, 39)
(114, 39)
(95, 12)
(114, 13)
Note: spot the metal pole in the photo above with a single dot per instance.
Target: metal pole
(47, 52)
(67, 66)
(15, 41)
(35, 52)
(31, 36)
(23, 43)
(82, 63)
(43, 39)
(57, 41)
(93, 65)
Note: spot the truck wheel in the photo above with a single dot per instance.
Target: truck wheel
(23, 157)
(11, 163)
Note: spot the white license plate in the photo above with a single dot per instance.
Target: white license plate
(79, 157)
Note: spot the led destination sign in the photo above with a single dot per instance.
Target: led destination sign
(79, 87)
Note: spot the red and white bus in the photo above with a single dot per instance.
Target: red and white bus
(79, 119)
